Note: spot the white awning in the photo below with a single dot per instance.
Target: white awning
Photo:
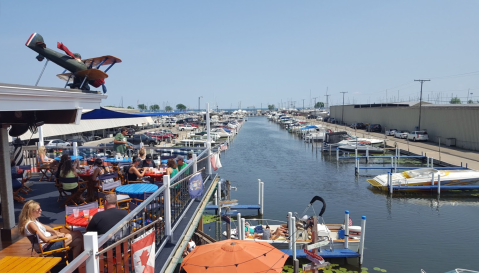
(51, 130)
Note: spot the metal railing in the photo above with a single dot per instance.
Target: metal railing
(168, 203)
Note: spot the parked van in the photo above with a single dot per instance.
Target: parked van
(418, 136)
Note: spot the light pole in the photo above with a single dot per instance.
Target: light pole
(199, 100)
(420, 102)
(342, 108)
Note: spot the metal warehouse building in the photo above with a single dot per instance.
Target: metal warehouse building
(450, 124)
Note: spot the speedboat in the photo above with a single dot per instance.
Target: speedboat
(361, 148)
(424, 176)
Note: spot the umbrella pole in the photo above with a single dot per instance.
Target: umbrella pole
(228, 197)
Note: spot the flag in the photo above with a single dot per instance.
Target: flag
(195, 186)
(224, 146)
(143, 252)
(218, 162)
(213, 162)
(350, 222)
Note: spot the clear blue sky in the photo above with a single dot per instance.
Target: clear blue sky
(254, 52)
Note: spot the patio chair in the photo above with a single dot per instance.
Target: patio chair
(121, 199)
(69, 211)
(54, 252)
(125, 176)
(17, 187)
(74, 196)
(108, 182)
(61, 192)
(24, 188)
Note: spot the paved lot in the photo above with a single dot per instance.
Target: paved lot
(451, 155)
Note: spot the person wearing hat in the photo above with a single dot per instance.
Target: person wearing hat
(134, 173)
(180, 162)
(147, 163)
(190, 158)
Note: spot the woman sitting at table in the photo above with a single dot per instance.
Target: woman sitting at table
(42, 158)
(172, 168)
(142, 153)
(29, 225)
(59, 165)
(98, 168)
(134, 173)
(68, 171)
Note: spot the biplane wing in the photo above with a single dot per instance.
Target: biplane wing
(103, 60)
(91, 74)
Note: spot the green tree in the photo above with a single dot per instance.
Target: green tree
(155, 107)
(319, 104)
(168, 108)
(142, 106)
(455, 100)
(181, 107)
(271, 107)
(130, 107)
(470, 101)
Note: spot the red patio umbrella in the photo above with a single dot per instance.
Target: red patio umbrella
(235, 256)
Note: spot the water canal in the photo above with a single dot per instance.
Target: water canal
(405, 233)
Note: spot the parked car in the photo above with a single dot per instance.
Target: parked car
(56, 143)
(374, 128)
(401, 134)
(358, 125)
(186, 127)
(391, 132)
(168, 131)
(79, 141)
(418, 136)
(319, 118)
(170, 123)
(311, 117)
(332, 120)
(147, 140)
(130, 132)
(105, 147)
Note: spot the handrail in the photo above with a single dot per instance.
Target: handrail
(187, 177)
(127, 237)
(76, 262)
(110, 233)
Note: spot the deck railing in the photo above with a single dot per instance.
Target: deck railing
(161, 210)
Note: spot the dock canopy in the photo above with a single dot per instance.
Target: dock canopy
(104, 113)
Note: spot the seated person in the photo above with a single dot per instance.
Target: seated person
(180, 162)
(99, 169)
(134, 173)
(142, 153)
(68, 171)
(147, 163)
(16, 177)
(29, 225)
(103, 221)
(172, 168)
(42, 158)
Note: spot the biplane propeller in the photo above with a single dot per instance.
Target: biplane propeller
(83, 72)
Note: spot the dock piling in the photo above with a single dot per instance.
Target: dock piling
(290, 227)
(262, 199)
(432, 179)
(346, 229)
(438, 184)
(363, 235)
(337, 154)
(292, 237)
(238, 227)
(390, 175)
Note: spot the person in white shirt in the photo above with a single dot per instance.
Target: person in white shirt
(29, 225)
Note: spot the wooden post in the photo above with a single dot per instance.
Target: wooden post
(314, 236)
(228, 197)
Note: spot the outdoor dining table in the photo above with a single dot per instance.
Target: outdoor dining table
(28, 264)
(73, 157)
(136, 190)
(80, 221)
(157, 176)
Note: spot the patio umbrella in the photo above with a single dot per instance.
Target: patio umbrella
(235, 256)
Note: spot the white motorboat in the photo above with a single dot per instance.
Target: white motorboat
(424, 177)
(330, 236)
(361, 148)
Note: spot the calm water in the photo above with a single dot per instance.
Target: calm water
(403, 234)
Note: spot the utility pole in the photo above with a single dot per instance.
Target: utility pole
(420, 101)
(303, 104)
(327, 101)
(314, 106)
(342, 114)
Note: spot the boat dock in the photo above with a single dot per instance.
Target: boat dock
(325, 253)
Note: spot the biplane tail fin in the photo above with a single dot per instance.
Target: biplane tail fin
(35, 40)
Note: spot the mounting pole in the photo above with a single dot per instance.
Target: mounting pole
(420, 102)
